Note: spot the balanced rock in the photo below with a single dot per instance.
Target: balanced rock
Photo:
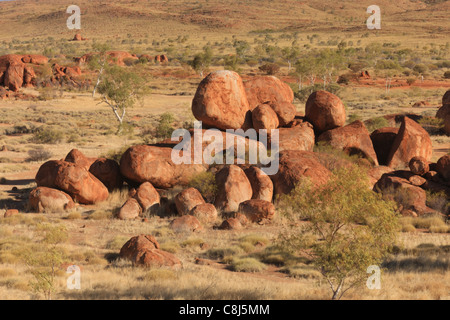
(262, 185)
(412, 140)
(267, 90)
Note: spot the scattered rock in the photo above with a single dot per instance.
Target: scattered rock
(48, 200)
(144, 250)
(205, 212)
(10, 213)
(187, 199)
(186, 223)
(258, 211)
(230, 224)
(148, 197)
(419, 165)
(130, 210)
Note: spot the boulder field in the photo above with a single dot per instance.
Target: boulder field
(397, 158)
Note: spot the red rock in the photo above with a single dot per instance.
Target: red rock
(13, 77)
(47, 173)
(144, 250)
(446, 98)
(130, 210)
(257, 210)
(412, 140)
(397, 187)
(267, 89)
(443, 167)
(447, 124)
(205, 212)
(419, 165)
(295, 166)
(264, 117)
(220, 101)
(285, 111)
(186, 223)
(187, 199)
(108, 172)
(10, 213)
(376, 173)
(79, 183)
(143, 163)
(262, 185)
(354, 139)
(420, 104)
(148, 198)
(325, 111)
(416, 180)
(230, 224)
(233, 188)
(300, 137)
(382, 140)
(443, 111)
(43, 199)
(77, 157)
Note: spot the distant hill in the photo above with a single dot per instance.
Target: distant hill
(27, 19)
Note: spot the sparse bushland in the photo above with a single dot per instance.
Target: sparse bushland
(348, 227)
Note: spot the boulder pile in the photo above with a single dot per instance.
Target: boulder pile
(397, 159)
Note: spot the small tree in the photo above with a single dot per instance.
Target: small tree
(349, 227)
(44, 264)
(99, 62)
(120, 90)
(202, 61)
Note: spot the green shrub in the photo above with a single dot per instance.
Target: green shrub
(205, 183)
(247, 265)
(47, 136)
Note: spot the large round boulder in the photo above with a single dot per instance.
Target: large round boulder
(258, 211)
(443, 167)
(300, 137)
(267, 90)
(108, 172)
(325, 111)
(143, 163)
(220, 101)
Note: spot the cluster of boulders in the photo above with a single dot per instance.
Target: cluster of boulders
(77, 178)
(245, 194)
(17, 71)
(120, 57)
